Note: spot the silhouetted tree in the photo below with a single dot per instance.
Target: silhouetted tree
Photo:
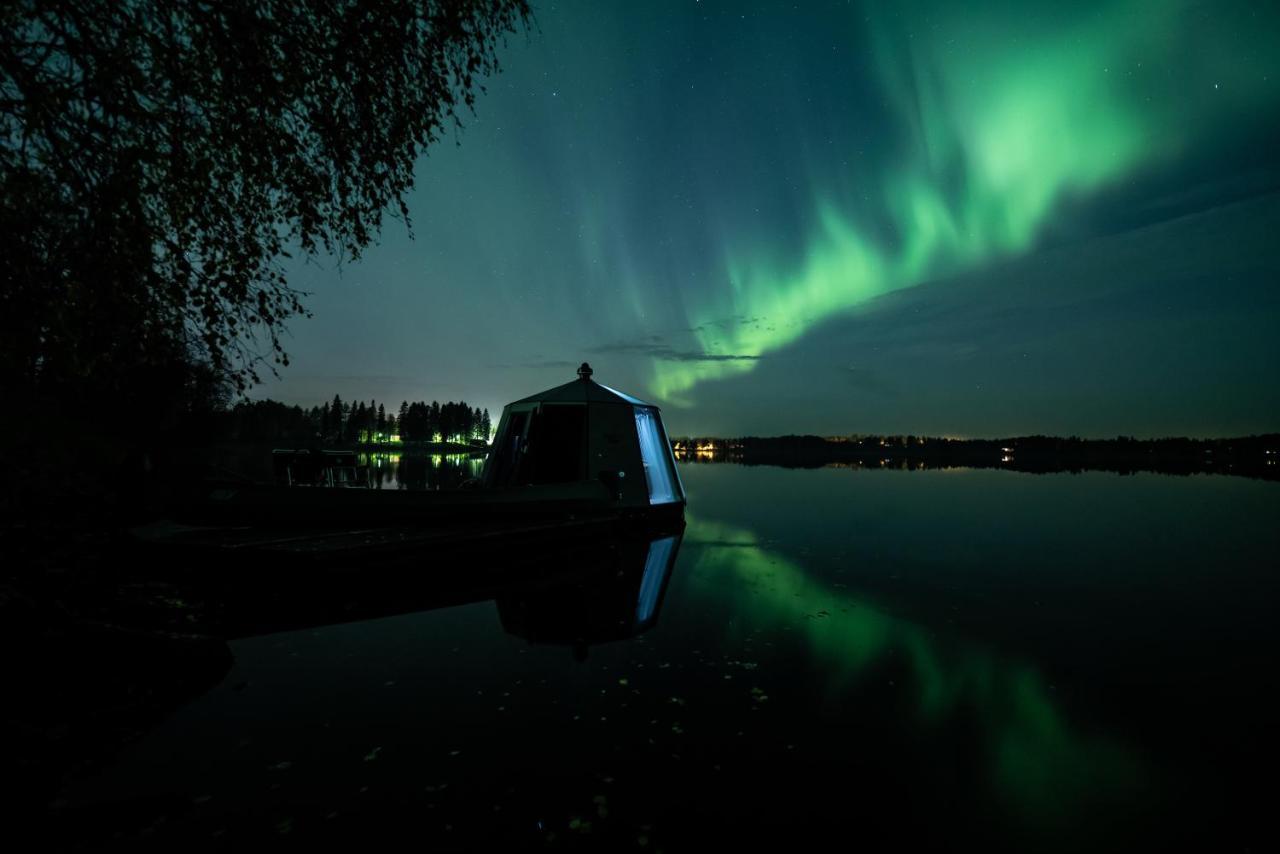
(357, 422)
(158, 159)
(335, 418)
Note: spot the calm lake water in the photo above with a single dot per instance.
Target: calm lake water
(888, 659)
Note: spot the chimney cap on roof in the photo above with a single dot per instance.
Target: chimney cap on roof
(584, 371)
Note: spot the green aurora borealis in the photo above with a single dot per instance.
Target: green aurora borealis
(996, 134)
(947, 220)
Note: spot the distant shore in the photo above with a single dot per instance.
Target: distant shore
(1249, 456)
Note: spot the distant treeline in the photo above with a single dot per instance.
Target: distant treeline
(1255, 456)
(340, 422)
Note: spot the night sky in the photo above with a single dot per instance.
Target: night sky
(944, 219)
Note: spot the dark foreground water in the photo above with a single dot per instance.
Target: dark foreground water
(870, 659)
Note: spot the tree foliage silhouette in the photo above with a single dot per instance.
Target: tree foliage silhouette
(159, 159)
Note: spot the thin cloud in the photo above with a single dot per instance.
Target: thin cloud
(668, 353)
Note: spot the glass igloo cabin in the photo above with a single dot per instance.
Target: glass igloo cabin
(586, 433)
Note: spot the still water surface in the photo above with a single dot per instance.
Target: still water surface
(933, 658)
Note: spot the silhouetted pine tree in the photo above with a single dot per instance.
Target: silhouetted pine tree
(335, 419)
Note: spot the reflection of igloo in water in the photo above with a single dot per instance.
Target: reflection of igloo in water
(620, 598)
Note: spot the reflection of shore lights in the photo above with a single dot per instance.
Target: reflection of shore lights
(1006, 459)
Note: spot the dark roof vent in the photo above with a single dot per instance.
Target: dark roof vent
(584, 371)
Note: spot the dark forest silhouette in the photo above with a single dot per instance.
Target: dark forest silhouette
(338, 422)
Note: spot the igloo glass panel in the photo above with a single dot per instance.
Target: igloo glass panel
(657, 470)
